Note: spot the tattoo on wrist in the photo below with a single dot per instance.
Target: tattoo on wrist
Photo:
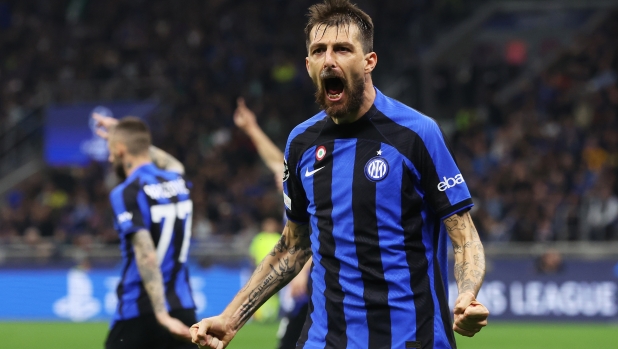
(292, 251)
(283, 272)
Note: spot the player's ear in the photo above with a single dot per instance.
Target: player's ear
(371, 60)
(121, 149)
(307, 65)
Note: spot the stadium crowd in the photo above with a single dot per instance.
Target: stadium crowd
(541, 168)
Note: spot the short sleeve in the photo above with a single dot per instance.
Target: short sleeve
(128, 217)
(445, 189)
(294, 196)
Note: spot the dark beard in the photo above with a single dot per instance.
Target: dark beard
(119, 170)
(353, 92)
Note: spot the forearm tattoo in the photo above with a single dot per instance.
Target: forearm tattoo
(290, 254)
(159, 157)
(145, 257)
(469, 256)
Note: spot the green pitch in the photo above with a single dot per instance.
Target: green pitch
(61, 335)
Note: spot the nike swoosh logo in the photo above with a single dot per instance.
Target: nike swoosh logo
(309, 174)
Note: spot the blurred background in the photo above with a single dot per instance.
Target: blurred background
(526, 91)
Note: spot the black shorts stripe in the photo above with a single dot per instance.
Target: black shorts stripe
(438, 286)
(304, 335)
(412, 224)
(336, 334)
(144, 332)
(368, 251)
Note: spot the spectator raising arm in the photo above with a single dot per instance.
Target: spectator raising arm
(245, 119)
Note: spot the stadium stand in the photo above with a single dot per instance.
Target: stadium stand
(542, 167)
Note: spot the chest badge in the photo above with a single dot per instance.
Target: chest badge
(376, 169)
(320, 153)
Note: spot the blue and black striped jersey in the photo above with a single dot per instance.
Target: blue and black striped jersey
(157, 201)
(374, 193)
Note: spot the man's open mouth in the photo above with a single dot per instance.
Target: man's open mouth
(334, 88)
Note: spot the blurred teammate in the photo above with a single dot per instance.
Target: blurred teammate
(294, 299)
(152, 213)
(372, 191)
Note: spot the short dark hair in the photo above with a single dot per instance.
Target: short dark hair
(134, 133)
(340, 12)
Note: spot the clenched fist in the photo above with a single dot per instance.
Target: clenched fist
(470, 315)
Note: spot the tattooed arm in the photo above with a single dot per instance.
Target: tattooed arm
(165, 161)
(470, 315)
(148, 266)
(469, 253)
(277, 269)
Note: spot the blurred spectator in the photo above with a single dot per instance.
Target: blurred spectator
(549, 262)
(600, 214)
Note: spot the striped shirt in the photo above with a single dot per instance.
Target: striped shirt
(374, 193)
(157, 201)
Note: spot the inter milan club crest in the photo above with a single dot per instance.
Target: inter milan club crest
(376, 169)
(286, 171)
(320, 153)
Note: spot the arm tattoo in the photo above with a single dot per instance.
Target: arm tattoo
(457, 248)
(479, 262)
(469, 254)
(157, 158)
(146, 259)
(460, 270)
(291, 253)
(257, 270)
(454, 223)
(282, 272)
(164, 160)
(280, 247)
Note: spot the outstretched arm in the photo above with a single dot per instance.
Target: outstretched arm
(277, 269)
(160, 158)
(470, 315)
(148, 267)
(245, 119)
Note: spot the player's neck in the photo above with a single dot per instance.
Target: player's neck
(132, 163)
(369, 96)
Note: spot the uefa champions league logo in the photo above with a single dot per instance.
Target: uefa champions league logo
(79, 303)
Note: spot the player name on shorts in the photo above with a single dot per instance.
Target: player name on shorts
(166, 190)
